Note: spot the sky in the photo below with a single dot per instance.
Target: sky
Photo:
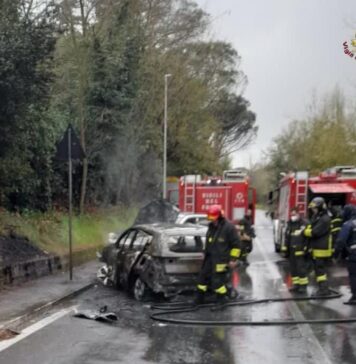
(290, 50)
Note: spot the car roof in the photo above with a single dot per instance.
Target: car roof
(191, 214)
(172, 229)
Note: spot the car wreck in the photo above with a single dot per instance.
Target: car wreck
(160, 258)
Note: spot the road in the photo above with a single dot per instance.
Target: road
(60, 338)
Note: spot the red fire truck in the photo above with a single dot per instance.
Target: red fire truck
(296, 189)
(232, 191)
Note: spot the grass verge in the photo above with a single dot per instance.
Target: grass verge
(49, 231)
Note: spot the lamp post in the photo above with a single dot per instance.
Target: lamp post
(165, 135)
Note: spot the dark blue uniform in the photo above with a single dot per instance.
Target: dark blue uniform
(346, 241)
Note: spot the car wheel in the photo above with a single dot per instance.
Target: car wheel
(139, 289)
(104, 275)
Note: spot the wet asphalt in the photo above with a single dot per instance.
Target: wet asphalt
(135, 338)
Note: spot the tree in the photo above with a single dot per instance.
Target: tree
(26, 140)
(325, 138)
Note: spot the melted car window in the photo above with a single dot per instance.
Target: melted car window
(186, 243)
(141, 240)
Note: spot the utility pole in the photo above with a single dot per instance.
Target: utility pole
(166, 76)
(70, 198)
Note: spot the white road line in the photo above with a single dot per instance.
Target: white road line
(34, 328)
(318, 352)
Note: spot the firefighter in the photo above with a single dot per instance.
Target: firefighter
(346, 241)
(222, 250)
(336, 222)
(318, 233)
(246, 234)
(296, 247)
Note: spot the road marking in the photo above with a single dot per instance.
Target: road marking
(317, 351)
(34, 328)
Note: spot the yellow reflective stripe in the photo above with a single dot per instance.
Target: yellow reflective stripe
(335, 230)
(235, 253)
(221, 290)
(202, 287)
(296, 232)
(299, 253)
(336, 220)
(322, 253)
(210, 240)
(322, 278)
(283, 248)
(220, 268)
(303, 281)
(308, 232)
(295, 280)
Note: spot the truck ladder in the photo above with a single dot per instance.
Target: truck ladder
(189, 195)
(301, 192)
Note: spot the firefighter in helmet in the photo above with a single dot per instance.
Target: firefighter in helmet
(246, 234)
(320, 242)
(296, 247)
(222, 249)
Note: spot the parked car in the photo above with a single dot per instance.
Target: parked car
(187, 218)
(159, 258)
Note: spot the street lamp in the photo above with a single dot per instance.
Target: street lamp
(165, 135)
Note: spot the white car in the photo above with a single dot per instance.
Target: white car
(188, 218)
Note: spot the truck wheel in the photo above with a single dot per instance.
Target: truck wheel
(139, 289)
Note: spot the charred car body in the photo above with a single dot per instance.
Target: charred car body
(159, 258)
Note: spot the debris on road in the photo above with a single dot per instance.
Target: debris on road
(98, 315)
(6, 334)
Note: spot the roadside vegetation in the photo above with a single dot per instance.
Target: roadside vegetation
(99, 65)
(50, 230)
(323, 138)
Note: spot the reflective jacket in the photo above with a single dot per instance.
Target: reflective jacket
(319, 235)
(336, 224)
(222, 243)
(294, 237)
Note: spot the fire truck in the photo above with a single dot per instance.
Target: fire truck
(337, 185)
(232, 191)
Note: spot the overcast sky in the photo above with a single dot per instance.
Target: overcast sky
(289, 49)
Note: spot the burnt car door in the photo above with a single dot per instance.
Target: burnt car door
(123, 253)
(133, 255)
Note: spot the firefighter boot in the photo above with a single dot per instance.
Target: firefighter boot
(199, 298)
(294, 289)
(221, 301)
(351, 301)
(323, 289)
(303, 289)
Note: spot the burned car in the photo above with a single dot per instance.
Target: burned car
(159, 258)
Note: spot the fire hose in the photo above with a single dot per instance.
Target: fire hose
(176, 308)
(161, 311)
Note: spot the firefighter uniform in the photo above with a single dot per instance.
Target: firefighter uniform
(246, 234)
(296, 245)
(346, 241)
(320, 244)
(222, 246)
(335, 225)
